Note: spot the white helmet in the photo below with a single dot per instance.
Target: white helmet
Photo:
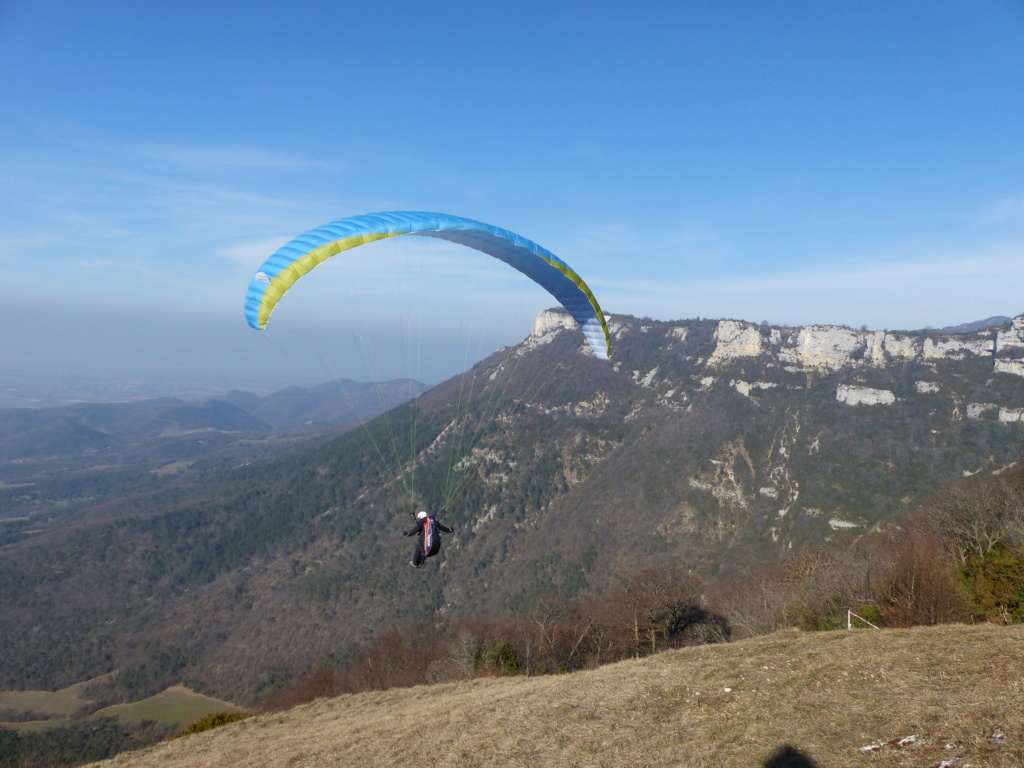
(421, 514)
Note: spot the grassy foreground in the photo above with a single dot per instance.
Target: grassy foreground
(827, 697)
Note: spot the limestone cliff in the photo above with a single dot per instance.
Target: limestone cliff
(823, 349)
(822, 429)
(830, 347)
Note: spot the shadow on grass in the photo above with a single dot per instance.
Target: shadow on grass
(789, 757)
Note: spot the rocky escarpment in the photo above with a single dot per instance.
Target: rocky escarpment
(827, 349)
(808, 432)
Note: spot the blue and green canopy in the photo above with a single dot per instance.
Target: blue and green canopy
(290, 262)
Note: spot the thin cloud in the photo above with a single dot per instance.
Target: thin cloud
(1007, 211)
(251, 253)
(202, 156)
(687, 244)
(902, 294)
(106, 201)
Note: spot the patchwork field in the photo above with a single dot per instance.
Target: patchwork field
(40, 710)
(177, 706)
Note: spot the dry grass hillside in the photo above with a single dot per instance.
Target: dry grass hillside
(937, 696)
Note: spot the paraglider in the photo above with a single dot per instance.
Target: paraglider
(295, 259)
(279, 273)
(428, 528)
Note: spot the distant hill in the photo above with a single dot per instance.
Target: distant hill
(330, 404)
(215, 414)
(890, 697)
(711, 444)
(56, 437)
(32, 433)
(978, 325)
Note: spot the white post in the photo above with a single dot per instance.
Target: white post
(850, 616)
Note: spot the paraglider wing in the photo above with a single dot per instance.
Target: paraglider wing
(290, 262)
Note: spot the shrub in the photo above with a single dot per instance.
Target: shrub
(496, 657)
(216, 720)
(996, 582)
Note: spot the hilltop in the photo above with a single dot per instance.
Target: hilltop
(947, 695)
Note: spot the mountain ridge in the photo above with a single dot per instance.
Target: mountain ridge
(710, 444)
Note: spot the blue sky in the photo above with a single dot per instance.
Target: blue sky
(804, 162)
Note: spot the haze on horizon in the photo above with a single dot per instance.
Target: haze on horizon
(854, 165)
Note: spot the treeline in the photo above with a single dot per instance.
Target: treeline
(959, 558)
(651, 610)
(81, 741)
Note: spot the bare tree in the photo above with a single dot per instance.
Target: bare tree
(656, 607)
(981, 514)
(923, 588)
